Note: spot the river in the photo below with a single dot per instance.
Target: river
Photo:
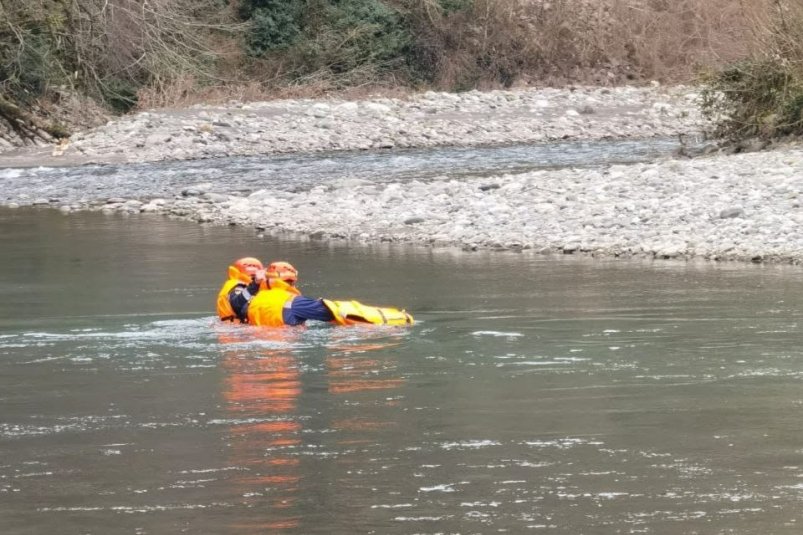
(300, 172)
(534, 394)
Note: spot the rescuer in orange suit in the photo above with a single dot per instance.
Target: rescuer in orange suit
(282, 304)
(246, 279)
(269, 297)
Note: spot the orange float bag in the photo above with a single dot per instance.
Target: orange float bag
(354, 313)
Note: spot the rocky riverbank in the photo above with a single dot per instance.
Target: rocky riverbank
(739, 207)
(426, 120)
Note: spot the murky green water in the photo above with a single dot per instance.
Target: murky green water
(535, 395)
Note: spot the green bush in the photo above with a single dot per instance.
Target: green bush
(347, 40)
(276, 25)
(370, 32)
(32, 64)
(761, 98)
(792, 114)
(450, 6)
(103, 48)
(456, 5)
(328, 38)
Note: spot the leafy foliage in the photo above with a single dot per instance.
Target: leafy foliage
(456, 5)
(356, 33)
(30, 57)
(276, 25)
(108, 49)
(328, 37)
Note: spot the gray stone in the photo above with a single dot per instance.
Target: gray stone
(215, 197)
(730, 213)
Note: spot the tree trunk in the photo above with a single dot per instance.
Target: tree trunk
(26, 125)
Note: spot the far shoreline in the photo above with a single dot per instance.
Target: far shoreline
(744, 207)
(474, 118)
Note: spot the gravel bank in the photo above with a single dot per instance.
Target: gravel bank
(425, 120)
(736, 207)
(742, 207)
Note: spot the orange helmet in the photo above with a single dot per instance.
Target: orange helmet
(283, 271)
(248, 265)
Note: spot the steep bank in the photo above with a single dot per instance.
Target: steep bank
(43, 124)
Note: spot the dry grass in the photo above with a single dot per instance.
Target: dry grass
(763, 94)
(778, 31)
(584, 41)
(675, 41)
(500, 43)
(185, 91)
(750, 50)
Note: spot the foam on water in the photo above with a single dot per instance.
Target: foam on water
(497, 333)
(471, 444)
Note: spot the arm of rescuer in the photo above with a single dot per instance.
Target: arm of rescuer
(240, 296)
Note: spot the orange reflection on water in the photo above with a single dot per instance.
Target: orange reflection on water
(267, 527)
(280, 426)
(361, 385)
(264, 383)
(287, 461)
(272, 387)
(261, 391)
(351, 370)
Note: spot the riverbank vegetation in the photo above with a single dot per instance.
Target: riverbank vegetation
(128, 54)
(762, 95)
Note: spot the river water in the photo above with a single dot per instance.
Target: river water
(533, 395)
(299, 172)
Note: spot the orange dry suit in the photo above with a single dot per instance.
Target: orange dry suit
(236, 278)
(267, 306)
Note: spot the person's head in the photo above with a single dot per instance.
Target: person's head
(283, 271)
(248, 266)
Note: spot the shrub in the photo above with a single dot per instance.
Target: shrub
(363, 32)
(106, 48)
(762, 95)
(275, 25)
(455, 5)
(347, 42)
(30, 57)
